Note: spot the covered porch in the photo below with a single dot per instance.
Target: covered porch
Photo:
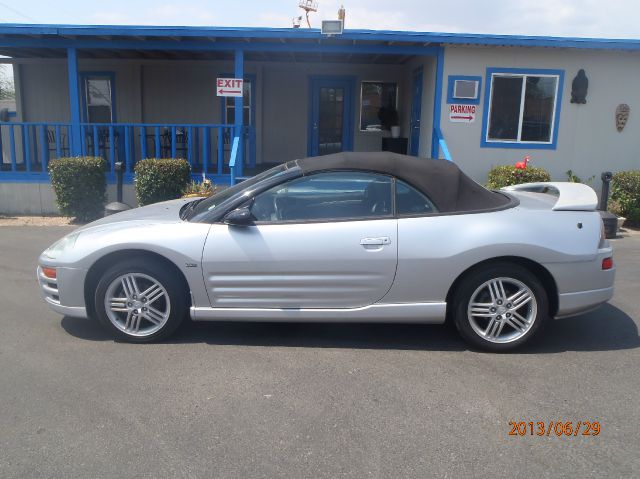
(128, 93)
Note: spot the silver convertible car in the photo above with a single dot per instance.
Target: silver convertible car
(356, 237)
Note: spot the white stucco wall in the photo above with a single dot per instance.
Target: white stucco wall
(588, 142)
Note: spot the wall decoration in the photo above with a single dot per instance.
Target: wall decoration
(622, 115)
(579, 88)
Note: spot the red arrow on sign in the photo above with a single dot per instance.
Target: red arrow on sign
(221, 91)
(462, 117)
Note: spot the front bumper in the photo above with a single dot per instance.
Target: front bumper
(64, 294)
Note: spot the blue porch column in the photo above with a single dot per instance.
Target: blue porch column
(437, 104)
(239, 114)
(75, 146)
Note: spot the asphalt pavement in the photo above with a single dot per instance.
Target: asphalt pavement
(249, 400)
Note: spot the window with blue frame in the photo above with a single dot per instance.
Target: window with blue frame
(522, 108)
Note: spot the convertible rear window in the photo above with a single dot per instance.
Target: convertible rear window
(326, 196)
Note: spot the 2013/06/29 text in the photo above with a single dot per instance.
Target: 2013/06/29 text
(557, 428)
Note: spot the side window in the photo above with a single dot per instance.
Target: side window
(410, 201)
(326, 196)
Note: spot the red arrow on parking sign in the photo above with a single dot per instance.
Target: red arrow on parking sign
(462, 113)
(222, 92)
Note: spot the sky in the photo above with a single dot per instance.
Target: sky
(583, 18)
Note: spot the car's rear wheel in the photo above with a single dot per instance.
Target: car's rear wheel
(500, 307)
(140, 301)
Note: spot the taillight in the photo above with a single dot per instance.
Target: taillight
(607, 263)
(50, 273)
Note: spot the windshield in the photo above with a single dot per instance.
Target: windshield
(209, 204)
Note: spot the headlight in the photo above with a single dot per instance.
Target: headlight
(56, 249)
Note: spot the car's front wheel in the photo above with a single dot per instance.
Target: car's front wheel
(500, 307)
(140, 301)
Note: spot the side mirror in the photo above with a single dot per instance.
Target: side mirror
(239, 217)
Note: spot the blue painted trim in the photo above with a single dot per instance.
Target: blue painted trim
(54, 30)
(206, 139)
(239, 106)
(26, 143)
(111, 75)
(44, 152)
(112, 149)
(12, 148)
(465, 101)
(514, 144)
(415, 115)
(348, 82)
(12, 114)
(437, 102)
(315, 47)
(75, 146)
(24, 177)
(220, 159)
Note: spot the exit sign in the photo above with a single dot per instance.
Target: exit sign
(229, 86)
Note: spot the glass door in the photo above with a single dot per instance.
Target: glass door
(331, 121)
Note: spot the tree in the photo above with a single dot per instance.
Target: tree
(7, 86)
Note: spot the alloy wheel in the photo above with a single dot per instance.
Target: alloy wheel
(137, 304)
(502, 310)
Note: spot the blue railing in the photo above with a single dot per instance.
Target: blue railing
(27, 147)
(442, 143)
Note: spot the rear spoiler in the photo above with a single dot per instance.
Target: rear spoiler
(571, 196)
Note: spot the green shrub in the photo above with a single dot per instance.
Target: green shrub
(507, 175)
(573, 178)
(161, 179)
(80, 186)
(625, 195)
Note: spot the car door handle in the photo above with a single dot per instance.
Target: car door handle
(375, 241)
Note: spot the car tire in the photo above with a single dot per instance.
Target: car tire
(500, 307)
(140, 301)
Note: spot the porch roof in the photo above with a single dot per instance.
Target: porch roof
(379, 46)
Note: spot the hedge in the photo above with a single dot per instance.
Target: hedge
(625, 196)
(507, 175)
(80, 186)
(161, 179)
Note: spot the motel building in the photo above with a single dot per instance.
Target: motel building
(127, 93)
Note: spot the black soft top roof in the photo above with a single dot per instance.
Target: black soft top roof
(441, 180)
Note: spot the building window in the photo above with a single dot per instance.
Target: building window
(98, 92)
(464, 89)
(522, 108)
(375, 96)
